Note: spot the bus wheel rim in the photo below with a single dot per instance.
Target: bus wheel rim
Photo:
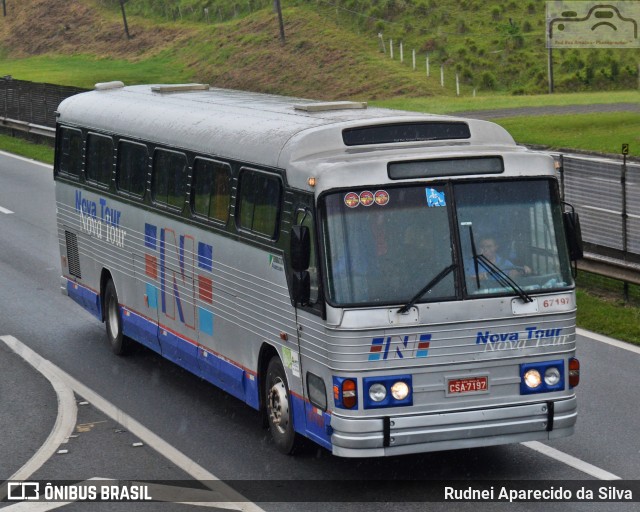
(279, 406)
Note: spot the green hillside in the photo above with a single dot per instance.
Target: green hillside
(333, 48)
(491, 46)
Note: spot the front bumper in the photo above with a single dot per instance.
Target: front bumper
(398, 435)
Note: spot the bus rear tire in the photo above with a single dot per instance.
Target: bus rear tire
(279, 411)
(113, 319)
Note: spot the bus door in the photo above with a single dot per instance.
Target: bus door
(309, 325)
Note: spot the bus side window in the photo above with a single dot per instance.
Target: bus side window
(99, 159)
(169, 182)
(304, 217)
(70, 152)
(259, 202)
(211, 189)
(131, 172)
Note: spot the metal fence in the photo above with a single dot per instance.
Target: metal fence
(606, 194)
(30, 102)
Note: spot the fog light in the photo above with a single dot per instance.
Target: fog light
(377, 392)
(400, 390)
(532, 379)
(551, 376)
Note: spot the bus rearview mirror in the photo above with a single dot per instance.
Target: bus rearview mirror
(573, 234)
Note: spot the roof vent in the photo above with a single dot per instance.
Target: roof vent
(106, 86)
(331, 105)
(179, 88)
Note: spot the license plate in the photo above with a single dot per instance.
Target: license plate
(468, 385)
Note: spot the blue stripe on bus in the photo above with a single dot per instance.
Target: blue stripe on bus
(87, 298)
(142, 330)
(318, 423)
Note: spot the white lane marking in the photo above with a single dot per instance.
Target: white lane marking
(29, 160)
(5, 211)
(65, 419)
(570, 460)
(136, 428)
(609, 341)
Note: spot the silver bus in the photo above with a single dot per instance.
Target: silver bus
(380, 282)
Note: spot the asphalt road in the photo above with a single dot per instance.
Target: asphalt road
(190, 430)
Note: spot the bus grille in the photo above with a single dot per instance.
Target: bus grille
(73, 256)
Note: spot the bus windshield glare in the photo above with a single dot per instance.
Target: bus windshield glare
(384, 246)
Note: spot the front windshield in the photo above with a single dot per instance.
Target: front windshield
(515, 227)
(383, 246)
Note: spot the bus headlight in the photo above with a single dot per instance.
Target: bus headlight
(542, 377)
(377, 392)
(532, 379)
(551, 376)
(387, 391)
(400, 390)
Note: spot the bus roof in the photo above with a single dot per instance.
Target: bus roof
(256, 128)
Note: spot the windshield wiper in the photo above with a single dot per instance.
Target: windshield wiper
(503, 278)
(432, 283)
(496, 272)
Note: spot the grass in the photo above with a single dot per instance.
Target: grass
(26, 149)
(449, 104)
(602, 132)
(86, 70)
(611, 317)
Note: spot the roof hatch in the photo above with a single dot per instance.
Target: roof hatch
(331, 105)
(179, 87)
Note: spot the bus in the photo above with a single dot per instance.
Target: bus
(380, 282)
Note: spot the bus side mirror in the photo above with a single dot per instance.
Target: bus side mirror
(573, 234)
(300, 248)
(300, 259)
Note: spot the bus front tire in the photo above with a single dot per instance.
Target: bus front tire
(113, 319)
(278, 408)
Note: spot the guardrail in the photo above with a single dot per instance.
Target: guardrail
(22, 126)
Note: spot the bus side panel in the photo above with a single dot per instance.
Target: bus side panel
(242, 302)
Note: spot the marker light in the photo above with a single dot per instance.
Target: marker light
(377, 392)
(400, 390)
(532, 379)
(349, 395)
(345, 392)
(574, 372)
(551, 376)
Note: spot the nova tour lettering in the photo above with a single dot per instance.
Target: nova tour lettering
(531, 337)
(99, 220)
